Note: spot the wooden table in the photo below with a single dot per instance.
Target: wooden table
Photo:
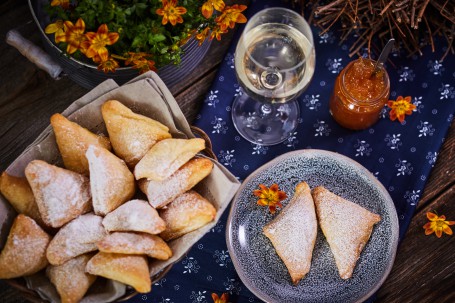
(425, 265)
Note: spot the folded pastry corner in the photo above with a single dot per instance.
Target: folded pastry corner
(70, 278)
(161, 193)
(61, 194)
(166, 157)
(135, 215)
(76, 238)
(20, 195)
(131, 270)
(111, 181)
(293, 233)
(131, 243)
(24, 252)
(347, 227)
(188, 212)
(73, 141)
(131, 134)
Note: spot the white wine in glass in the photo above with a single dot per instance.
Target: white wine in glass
(274, 64)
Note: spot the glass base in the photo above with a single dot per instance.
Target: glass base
(264, 123)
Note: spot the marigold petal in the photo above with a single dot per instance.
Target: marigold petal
(438, 232)
(207, 10)
(112, 38)
(447, 230)
(272, 209)
(429, 231)
(224, 297)
(449, 222)
(274, 187)
(427, 225)
(102, 29)
(180, 10)
(215, 297)
(80, 23)
(71, 48)
(431, 216)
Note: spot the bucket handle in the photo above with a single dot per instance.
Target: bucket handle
(34, 53)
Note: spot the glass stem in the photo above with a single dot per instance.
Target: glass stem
(266, 109)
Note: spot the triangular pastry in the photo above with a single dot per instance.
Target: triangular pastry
(134, 215)
(76, 238)
(131, 270)
(24, 252)
(73, 141)
(186, 213)
(111, 182)
(20, 195)
(293, 232)
(61, 194)
(347, 227)
(161, 193)
(166, 156)
(135, 244)
(70, 278)
(131, 134)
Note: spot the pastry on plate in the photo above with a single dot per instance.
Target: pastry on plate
(166, 156)
(186, 213)
(131, 270)
(135, 244)
(24, 252)
(73, 141)
(70, 278)
(61, 194)
(131, 134)
(76, 238)
(20, 195)
(134, 215)
(111, 182)
(293, 232)
(161, 193)
(346, 225)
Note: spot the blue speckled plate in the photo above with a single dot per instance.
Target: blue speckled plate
(255, 259)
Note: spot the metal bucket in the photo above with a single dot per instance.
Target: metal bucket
(89, 76)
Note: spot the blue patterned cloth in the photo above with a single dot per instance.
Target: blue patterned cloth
(400, 155)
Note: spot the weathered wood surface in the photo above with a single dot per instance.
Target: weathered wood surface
(425, 265)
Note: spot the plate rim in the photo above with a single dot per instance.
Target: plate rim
(393, 217)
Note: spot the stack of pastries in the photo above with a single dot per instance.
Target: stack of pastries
(346, 225)
(87, 219)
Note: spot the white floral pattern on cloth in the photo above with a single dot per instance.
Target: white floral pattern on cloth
(399, 155)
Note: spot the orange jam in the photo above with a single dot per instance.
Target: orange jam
(359, 94)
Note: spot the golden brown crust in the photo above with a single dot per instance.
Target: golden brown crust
(135, 244)
(19, 193)
(346, 225)
(76, 238)
(70, 278)
(293, 232)
(134, 215)
(24, 252)
(61, 194)
(161, 193)
(73, 141)
(131, 134)
(111, 182)
(166, 157)
(129, 269)
(188, 212)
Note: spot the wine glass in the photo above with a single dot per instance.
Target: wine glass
(274, 64)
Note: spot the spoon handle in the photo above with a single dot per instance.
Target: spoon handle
(384, 54)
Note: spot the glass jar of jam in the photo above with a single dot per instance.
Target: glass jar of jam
(359, 94)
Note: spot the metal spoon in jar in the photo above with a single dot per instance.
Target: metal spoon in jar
(383, 56)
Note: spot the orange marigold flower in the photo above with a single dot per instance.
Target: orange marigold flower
(144, 65)
(223, 299)
(437, 224)
(97, 42)
(231, 15)
(134, 57)
(74, 35)
(208, 6)
(171, 12)
(400, 108)
(202, 35)
(109, 65)
(217, 32)
(270, 197)
(63, 3)
(56, 28)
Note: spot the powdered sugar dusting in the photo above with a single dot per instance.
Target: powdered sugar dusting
(256, 260)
